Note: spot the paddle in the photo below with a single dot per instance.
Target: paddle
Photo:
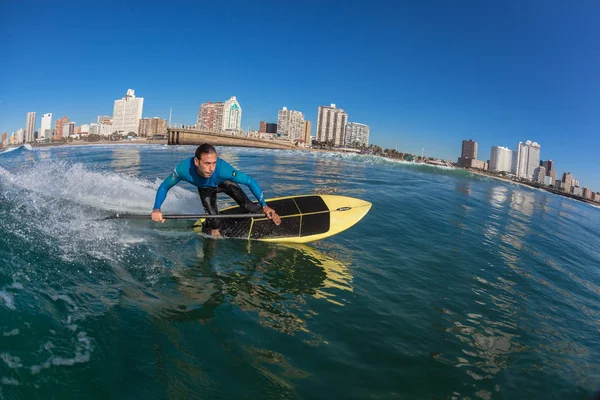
(185, 216)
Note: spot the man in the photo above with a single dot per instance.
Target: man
(212, 175)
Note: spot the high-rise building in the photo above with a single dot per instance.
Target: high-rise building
(20, 136)
(267, 127)
(331, 125)
(501, 159)
(550, 171)
(575, 182)
(468, 152)
(68, 129)
(577, 191)
(94, 129)
(59, 125)
(539, 175)
(567, 182)
(527, 159)
(232, 116)
(587, 193)
(357, 134)
(46, 128)
(306, 132)
(289, 124)
(152, 126)
(3, 138)
(127, 113)
(30, 127)
(210, 117)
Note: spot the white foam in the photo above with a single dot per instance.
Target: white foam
(7, 299)
(82, 355)
(72, 210)
(10, 381)
(12, 362)
(14, 332)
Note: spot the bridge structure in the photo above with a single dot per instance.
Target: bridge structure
(192, 136)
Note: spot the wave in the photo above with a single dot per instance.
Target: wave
(21, 147)
(63, 205)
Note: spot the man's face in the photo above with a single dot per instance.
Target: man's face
(206, 164)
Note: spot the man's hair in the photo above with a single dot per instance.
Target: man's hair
(204, 148)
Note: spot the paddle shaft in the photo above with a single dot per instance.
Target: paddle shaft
(186, 216)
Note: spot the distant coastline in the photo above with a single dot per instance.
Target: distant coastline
(554, 191)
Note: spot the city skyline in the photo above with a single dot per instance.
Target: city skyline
(494, 72)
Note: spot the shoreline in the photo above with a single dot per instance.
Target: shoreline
(545, 188)
(266, 146)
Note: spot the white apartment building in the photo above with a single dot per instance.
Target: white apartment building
(501, 159)
(127, 113)
(290, 124)
(357, 133)
(331, 125)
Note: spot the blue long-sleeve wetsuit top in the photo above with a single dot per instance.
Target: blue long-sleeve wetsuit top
(186, 171)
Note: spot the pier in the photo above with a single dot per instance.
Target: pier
(192, 136)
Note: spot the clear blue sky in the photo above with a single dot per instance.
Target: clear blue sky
(424, 74)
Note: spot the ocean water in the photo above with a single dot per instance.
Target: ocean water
(454, 286)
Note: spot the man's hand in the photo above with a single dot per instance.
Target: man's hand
(272, 215)
(157, 216)
(215, 232)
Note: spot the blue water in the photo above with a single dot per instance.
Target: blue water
(454, 286)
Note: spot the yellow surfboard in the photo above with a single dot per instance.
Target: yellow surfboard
(303, 219)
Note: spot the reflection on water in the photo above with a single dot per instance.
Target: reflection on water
(326, 177)
(522, 201)
(231, 157)
(464, 187)
(289, 174)
(498, 196)
(272, 281)
(126, 160)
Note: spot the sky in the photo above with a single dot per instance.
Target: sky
(423, 75)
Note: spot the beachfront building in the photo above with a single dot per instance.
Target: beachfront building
(357, 134)
(267, 127)
(152, 126)
(30, 127)
(289, 124)
(210, 117)
(539, 175)
(232, 117)
(20, 136)
(306, 128)
(550, 169)
(59, 127)
(46, 128)
(526, 159)
(577, 191)
(331, 125)
(500, 159)
(567, 182)
(468, 156)
(127, 113)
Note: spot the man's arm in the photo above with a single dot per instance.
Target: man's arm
(161, 195)
(227, 172)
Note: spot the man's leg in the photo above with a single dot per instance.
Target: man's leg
(208, 197)
(234, 191)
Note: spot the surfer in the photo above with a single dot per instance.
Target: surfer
(212, 175)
